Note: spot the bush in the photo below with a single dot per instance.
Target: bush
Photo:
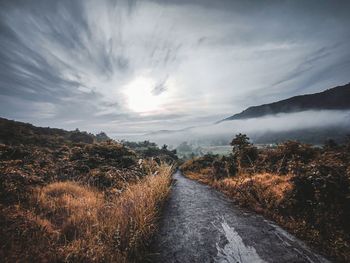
(218, 169)
(323, 191)
(304, 188)
(247, 156)
(78, 136)
(231, 165)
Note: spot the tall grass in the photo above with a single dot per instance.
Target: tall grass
(262, 191)
(272, 195)
(259, 191)
(88, 226)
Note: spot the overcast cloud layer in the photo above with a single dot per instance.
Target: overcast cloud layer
(139, 66)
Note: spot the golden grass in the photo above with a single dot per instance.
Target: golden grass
(71, 207)
(270, 194)
(80, 225)
(204, 175)
(258, 191)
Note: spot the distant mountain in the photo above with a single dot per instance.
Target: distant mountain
(166, 132)
(337, 98)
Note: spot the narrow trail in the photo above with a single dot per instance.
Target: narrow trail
(200, 224)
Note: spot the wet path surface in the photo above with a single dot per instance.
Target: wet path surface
(199, 224)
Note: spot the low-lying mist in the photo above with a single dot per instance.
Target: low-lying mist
(308, 126)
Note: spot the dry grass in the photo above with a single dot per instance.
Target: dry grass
(305, 189)
(203, 176)
(76, 223)
(260, 191)
(71, 207)
(270, 194)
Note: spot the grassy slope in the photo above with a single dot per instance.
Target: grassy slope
(66, 198)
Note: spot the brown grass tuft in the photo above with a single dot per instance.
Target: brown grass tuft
(70, 222)
(260, 191)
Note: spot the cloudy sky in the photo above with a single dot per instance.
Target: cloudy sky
(139, 66)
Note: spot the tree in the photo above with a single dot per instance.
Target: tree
(102, 137)
(245, 153)
(165, 147)
(240, 142)
(77, 136)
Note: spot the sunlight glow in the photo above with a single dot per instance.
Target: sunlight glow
(139, 95)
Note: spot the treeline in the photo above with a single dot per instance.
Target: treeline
(147, 149)
(16, 133)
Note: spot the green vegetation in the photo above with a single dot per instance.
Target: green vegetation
(306, 189)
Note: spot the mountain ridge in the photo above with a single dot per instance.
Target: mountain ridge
(337, 98)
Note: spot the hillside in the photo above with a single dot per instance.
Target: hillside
(337, 98)
(16, 133)
(63, 195)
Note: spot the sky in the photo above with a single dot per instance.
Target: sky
(133, 67)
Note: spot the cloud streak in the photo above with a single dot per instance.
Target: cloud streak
(69, 63)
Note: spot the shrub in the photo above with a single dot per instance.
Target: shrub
(218, 169)
(247, 156)
(304, 188)
(231, 166)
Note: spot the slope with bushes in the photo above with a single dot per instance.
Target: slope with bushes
(76, 201)
(303, 188)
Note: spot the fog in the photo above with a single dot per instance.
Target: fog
(314, 126)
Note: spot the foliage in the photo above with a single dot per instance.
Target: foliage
(147, 149)
(302, 187)
(67, 198)
(243, 151)
(17, 133)
(240, 142)
(213, 166)
(102, 137)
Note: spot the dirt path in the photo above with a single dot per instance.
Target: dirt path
(200, 224)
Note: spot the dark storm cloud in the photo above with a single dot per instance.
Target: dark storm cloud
(67, 63)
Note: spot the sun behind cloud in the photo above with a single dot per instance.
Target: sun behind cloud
(140, 97)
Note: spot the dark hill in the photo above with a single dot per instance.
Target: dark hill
(16, 133)
(337, 98)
